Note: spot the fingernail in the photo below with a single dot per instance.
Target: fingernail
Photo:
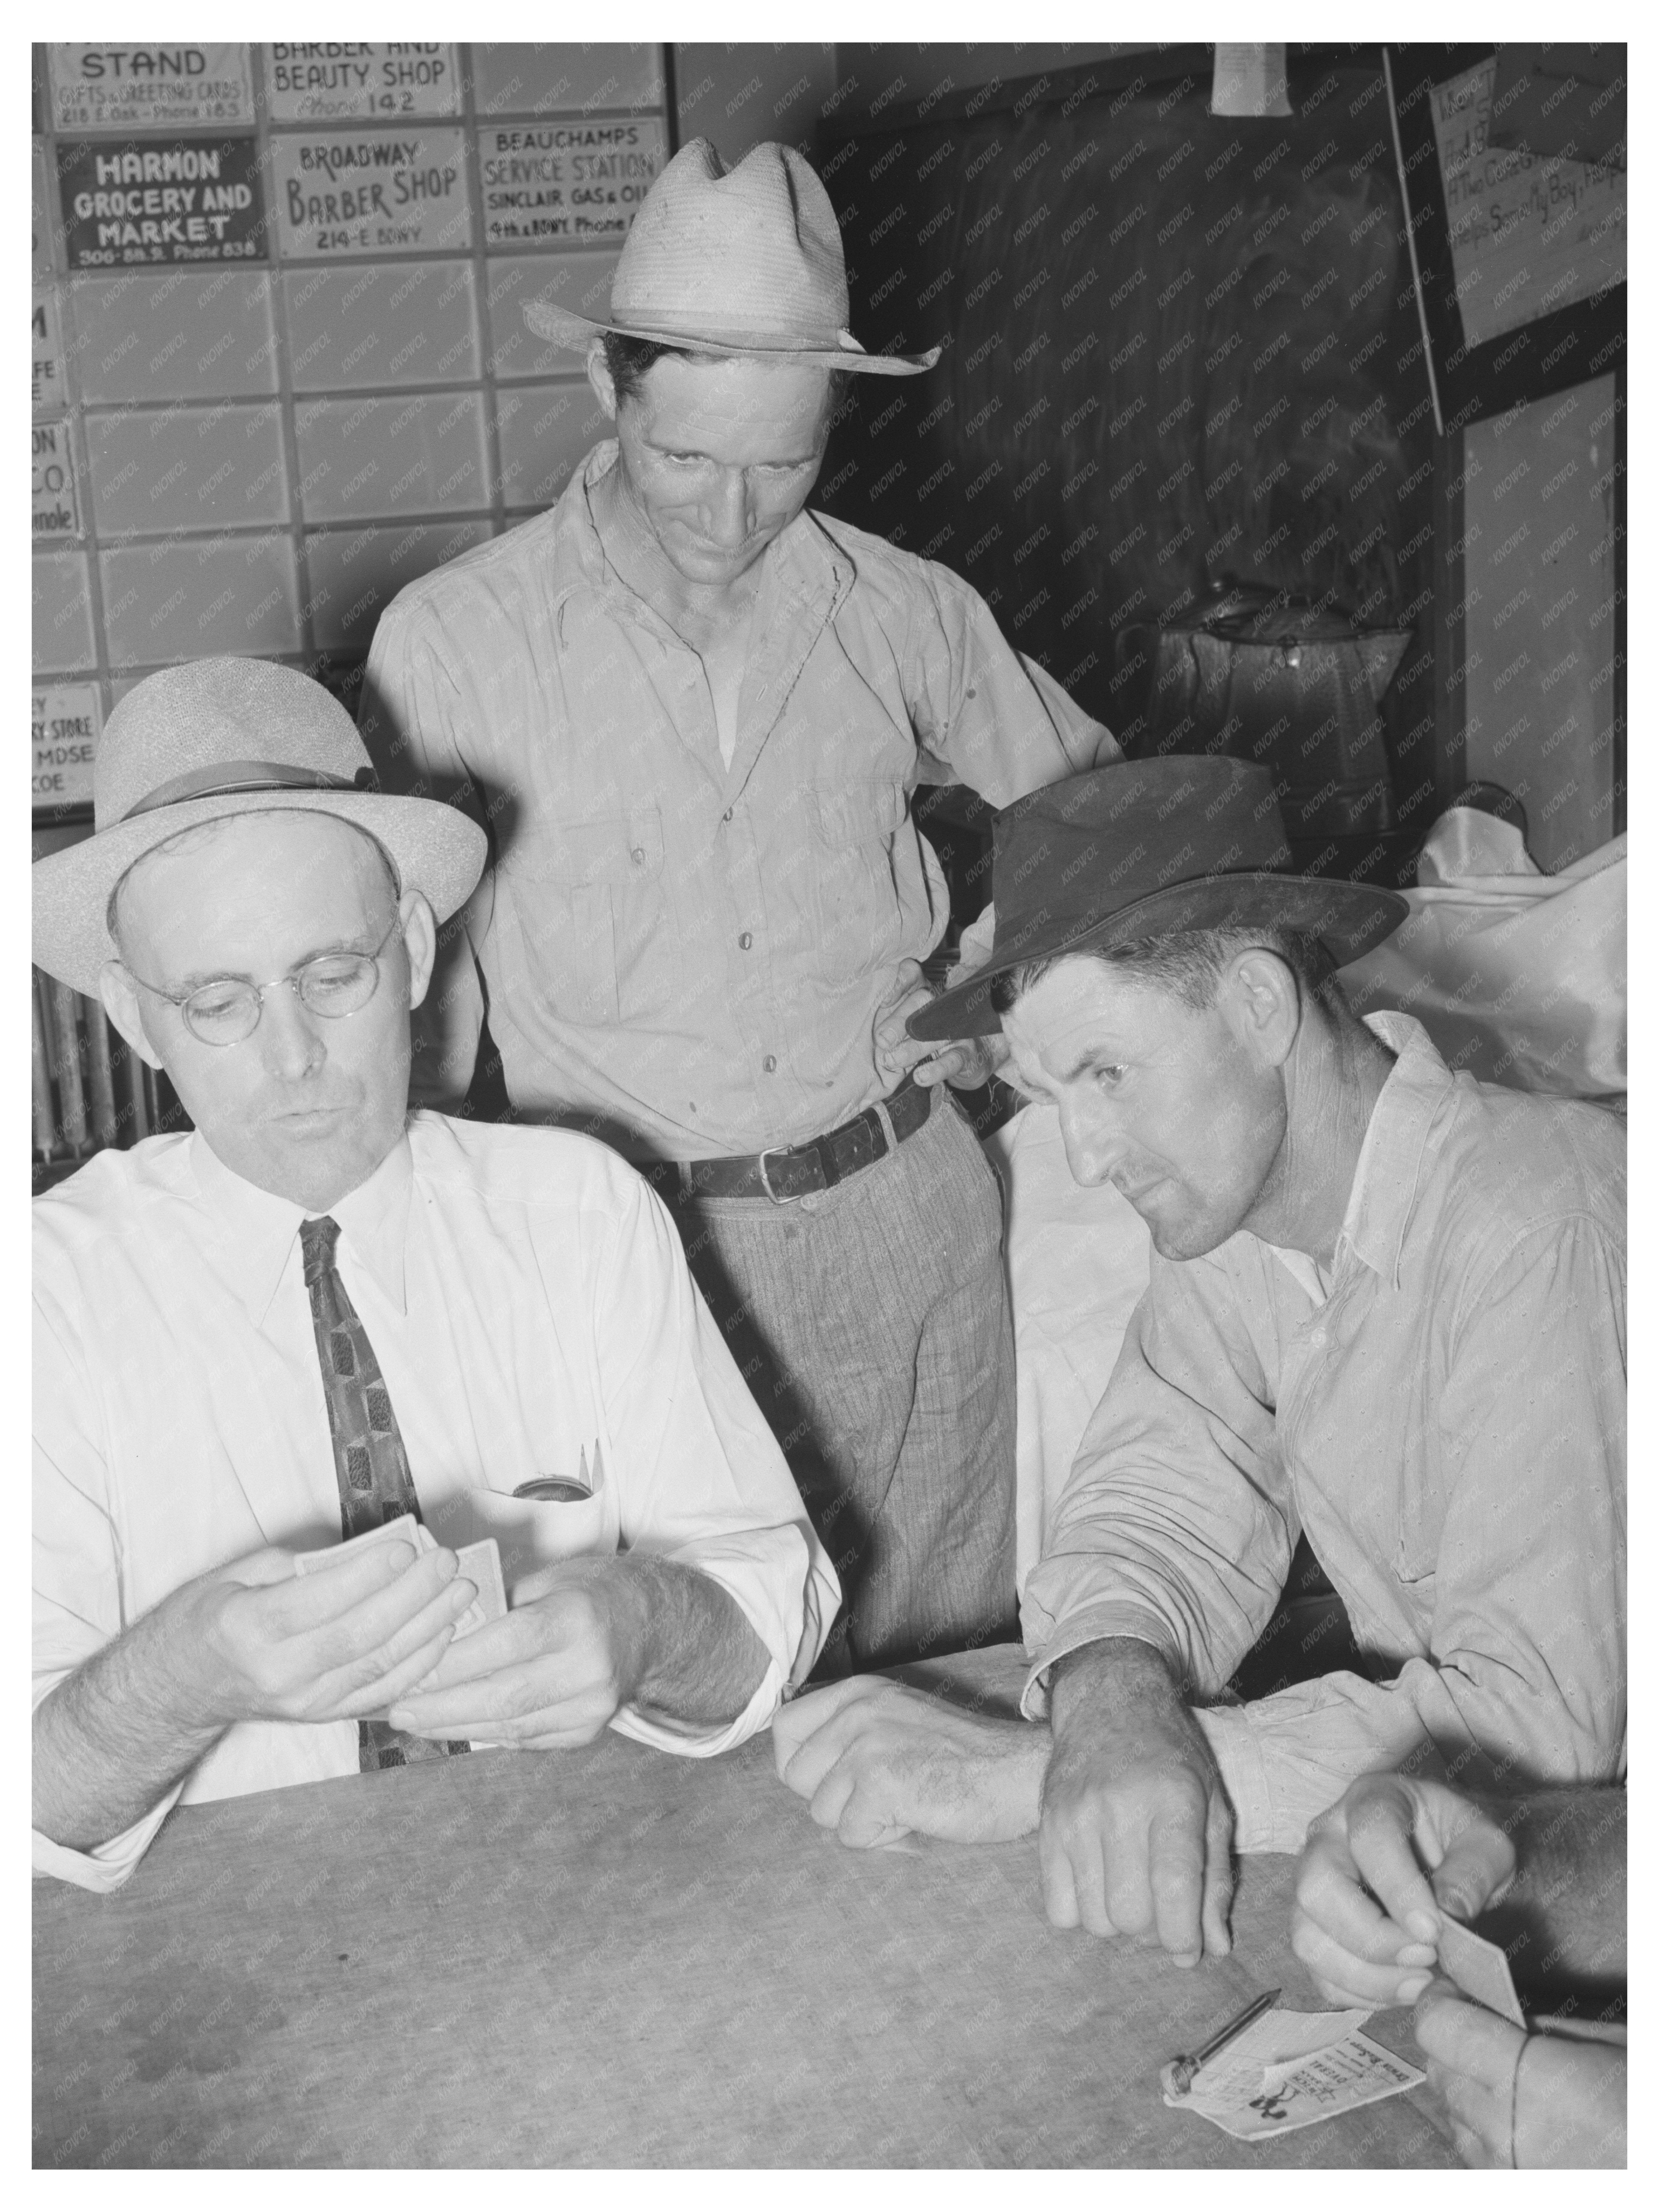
(1415, 1954)
(397, 1718)
(464, 1591)
(1413, 1988)
(1424, 1925)
(1186, 1958)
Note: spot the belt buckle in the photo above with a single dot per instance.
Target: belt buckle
(766, 1180)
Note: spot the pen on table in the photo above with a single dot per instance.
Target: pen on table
(1186, 2068)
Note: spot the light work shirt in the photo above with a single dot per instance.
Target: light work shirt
(530, 1309)
(1447, 1423)
(684, 956)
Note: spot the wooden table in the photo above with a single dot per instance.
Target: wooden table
(617, 1958)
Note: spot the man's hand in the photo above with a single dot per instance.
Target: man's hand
(255, 1641)
(1367, 1914)
(967, 1063)
(1567, 2098)
(876, 1761)
(1472, 2056)
(572, 1652)
(250, 1641)
(1137, 1832)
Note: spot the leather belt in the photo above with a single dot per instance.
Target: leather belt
(789, 1172)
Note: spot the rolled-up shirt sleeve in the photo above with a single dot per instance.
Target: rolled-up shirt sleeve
(1176, 1525)
(995, 719)
(1524, 1680)
(701, 1479)
(76, 1595)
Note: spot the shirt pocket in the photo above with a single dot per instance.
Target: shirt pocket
(592, 902)
(858, 906)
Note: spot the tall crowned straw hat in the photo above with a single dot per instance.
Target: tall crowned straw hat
(220, 737)
(1146, 849)
(742, 261)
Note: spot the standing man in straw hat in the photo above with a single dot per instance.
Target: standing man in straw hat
(1386, 1305)
(306, 1322)
(695, 715)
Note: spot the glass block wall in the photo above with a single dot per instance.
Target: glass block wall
(281, 365)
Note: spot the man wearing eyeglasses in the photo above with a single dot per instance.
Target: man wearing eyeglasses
(317, 1315)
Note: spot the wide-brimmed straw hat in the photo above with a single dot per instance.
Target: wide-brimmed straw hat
(744, 261)
(219, 737)
(1144, 849)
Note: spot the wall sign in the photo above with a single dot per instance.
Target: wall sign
(65, 723)
(48, 380)
(333, 81)
(139, 88)
(371, 191)
(41, 215)
(1528, 233)
(546, 182)
(52, 482)
(178, 199)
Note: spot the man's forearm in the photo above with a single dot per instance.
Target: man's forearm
(702, 1660)
(1105, 1680)
(112, 1738)
(1569, 1846)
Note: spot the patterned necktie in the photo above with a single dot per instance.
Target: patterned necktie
(370, 1464)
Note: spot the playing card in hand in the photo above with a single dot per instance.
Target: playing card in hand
(1480, 1969)
(481, 1564)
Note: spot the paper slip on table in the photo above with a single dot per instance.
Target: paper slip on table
(613, 1957)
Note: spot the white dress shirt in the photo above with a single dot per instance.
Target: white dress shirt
(531, 1308)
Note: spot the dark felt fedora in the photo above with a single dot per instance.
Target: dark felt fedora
(1190, 841)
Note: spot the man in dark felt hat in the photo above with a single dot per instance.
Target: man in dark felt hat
(1386, 1307)
(695, 716)
(316, 1318)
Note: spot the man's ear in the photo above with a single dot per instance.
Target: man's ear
(120, 997)
(1262, 1003)
(600, 376)
(420, 943)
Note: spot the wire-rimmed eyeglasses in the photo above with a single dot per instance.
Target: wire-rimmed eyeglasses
(227, 1011)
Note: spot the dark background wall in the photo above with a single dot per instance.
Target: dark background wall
(1180, 348)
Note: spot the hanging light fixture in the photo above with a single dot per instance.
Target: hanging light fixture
(1250, 81)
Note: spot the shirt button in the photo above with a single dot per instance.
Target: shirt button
(770, 1063)
(726, 817)
(638, 856)
(745, 942)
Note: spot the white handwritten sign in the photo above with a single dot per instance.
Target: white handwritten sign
(133, 88)
(52, 482)
(335, 79)
(371, 191)
(546, 183)
(1529, 233)
(49, 396)
(65, 722)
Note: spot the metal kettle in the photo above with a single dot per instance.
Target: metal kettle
(1293, 685)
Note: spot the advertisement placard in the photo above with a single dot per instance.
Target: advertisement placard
(333, 81)
(142, 88)
(65, 723)
(175, 200)
(371, 191)
(548, 184)
(49, 389)
(52, 482)
(41, 215)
